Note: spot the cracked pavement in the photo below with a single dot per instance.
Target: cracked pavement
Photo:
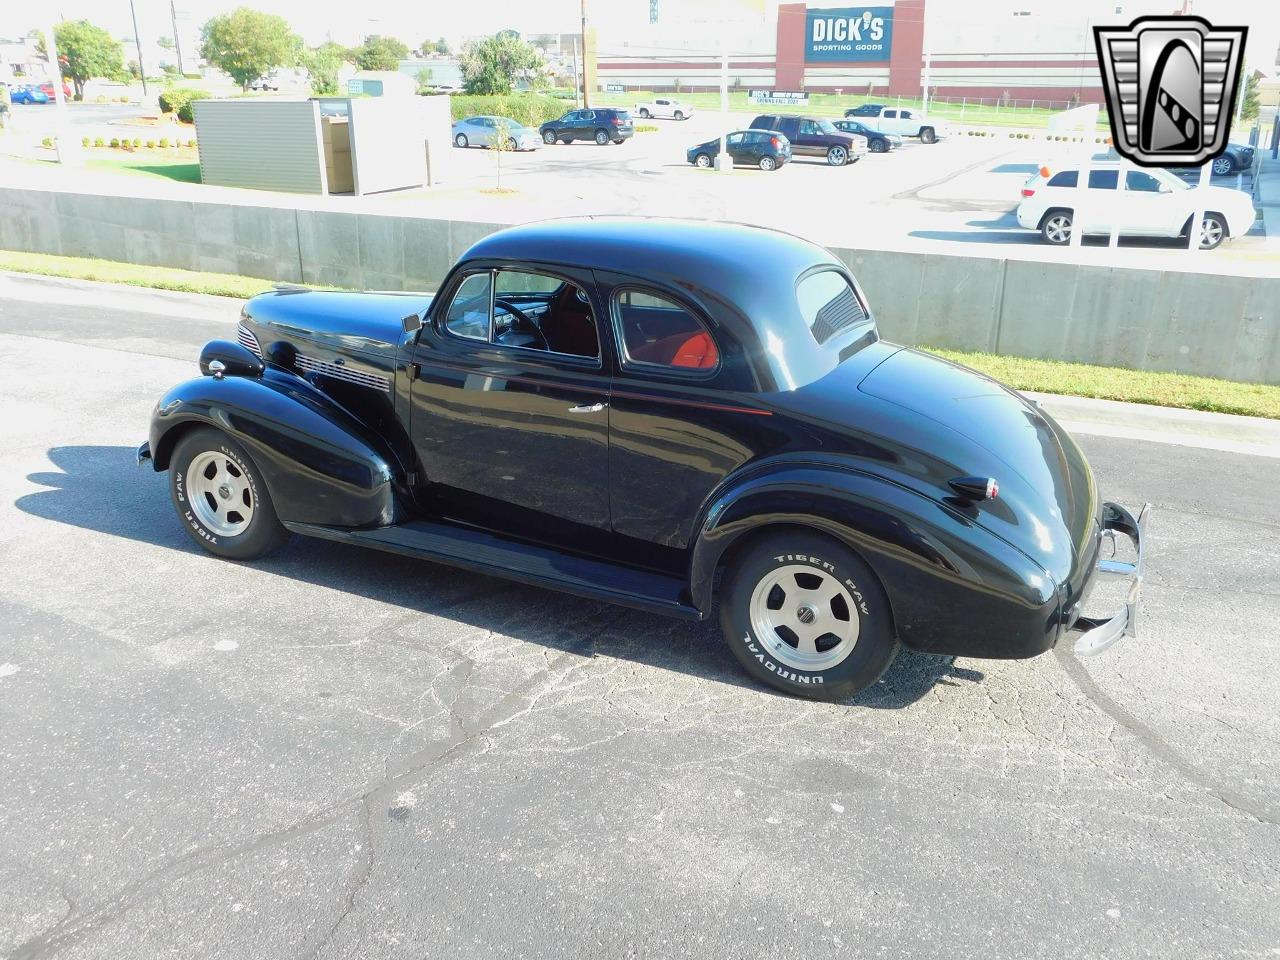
(339, 753)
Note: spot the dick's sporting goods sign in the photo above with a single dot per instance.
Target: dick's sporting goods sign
(848, 33)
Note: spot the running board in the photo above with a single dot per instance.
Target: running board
(539, 566)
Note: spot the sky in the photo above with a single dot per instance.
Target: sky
(347, 22)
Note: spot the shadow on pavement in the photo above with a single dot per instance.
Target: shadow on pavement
(101, 488)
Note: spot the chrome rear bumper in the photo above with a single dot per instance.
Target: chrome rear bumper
(1093, 635)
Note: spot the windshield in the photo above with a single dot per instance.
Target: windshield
(826, 126)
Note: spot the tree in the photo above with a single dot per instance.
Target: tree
(38, 36)
(429, 47)
(494, 65)
(322, 65)
(1249, 107)
(426, 77)
(442, 46)
(381, 53)
(86, 51)
(502, 143)
(165, 42)
(247, 44)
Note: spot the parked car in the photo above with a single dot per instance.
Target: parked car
(601, 124)
(28, 94)
(902, 121)
(482, 131)
(48, 91)
(1236, 157)
(814, 137)
(268, 84)
(766, 149)
(677, 416)
(865, 110)
(663, 107)
(877, 142)
(1150, 203)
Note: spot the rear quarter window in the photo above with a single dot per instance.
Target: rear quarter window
(1067, 178)
(828, 304)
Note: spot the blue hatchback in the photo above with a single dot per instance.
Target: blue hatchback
(28, 94)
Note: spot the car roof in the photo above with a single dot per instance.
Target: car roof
(742, 276)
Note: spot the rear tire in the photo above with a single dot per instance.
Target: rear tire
(221, 499)
(804, 614)
(768, 163)
(1056, 227)
(927, 135)
(602, 137)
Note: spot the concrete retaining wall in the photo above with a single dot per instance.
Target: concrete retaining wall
(1221, 326)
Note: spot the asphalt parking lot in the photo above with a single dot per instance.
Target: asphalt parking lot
(338, 753)
(956, 195)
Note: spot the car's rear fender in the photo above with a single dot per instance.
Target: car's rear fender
(953, 587)
(319, 462)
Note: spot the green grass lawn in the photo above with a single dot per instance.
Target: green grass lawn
(1045, 376)
(148, 164)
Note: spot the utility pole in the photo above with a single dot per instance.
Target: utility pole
(586, 102)
(67, 146)
(177, 44)
(137, 39)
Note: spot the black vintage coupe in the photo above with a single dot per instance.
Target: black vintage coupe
(668, 415)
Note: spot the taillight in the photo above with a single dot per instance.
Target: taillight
(774, 141)
(1028, 192)
(617, 121)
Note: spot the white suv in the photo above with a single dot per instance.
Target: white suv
(1151, 203)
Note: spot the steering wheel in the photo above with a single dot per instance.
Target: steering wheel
(521, 315)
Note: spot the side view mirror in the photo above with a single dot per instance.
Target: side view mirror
(225, 358)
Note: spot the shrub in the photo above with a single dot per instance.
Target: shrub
(100, 98)
(185, 113)
(136, 143)
(151, 144)
(115, 143)
(529, 109)
(97, 142)
(47, 142)
(177, 100)
(84, 142)
(191, 144)
(164, 143)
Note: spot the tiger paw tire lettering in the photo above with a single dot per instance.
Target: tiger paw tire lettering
(802, 613)
(220, 498)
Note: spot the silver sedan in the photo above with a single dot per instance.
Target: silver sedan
(482, 131)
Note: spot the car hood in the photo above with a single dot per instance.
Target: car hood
(368, 323)
(1222, 195)
(1048, 500)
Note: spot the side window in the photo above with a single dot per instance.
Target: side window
(658, 332)
(1067, 178)
(788, 125)
(660, 103)
(828, 304)
(586, 115)
(1103, 179)
(1140, 182)
(468, 314)
(809, 128)
(538, 311)
(890, 114)
(906, 115)
(734, 139)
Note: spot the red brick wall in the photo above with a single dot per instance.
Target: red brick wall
(790, 49)
(907, 57)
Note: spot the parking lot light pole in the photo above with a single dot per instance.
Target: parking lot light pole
(724, 162)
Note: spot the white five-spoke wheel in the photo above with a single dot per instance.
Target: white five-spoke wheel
(219, 493)
(803, 613)
(1057, 227)
(805, 617)
(220, 497)
(1212, 231)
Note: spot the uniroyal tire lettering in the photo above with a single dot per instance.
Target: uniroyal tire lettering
(781, 671)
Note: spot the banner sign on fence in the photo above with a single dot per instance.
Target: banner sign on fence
(615, 88)
(848, 33)
(778, 96)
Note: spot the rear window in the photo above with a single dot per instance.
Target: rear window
(828, 304)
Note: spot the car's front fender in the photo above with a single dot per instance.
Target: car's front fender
(320, 464)
(953, 586)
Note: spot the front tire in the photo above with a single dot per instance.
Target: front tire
(702, 160)
(802, 613)
(927, 135)
(1056, 227)
(460, 141)
(644, 114)
(837, 156)
(549, 137)
(1213, 230)
(1223, 165)
(221, 499)
(679, 114)
(878, 146)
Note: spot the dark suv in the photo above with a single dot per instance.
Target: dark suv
(601, 124)
(814, 137)
(865, 110)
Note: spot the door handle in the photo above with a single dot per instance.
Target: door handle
(587, 408)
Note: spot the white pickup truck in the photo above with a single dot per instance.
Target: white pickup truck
(902, 121)
(663, 107)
